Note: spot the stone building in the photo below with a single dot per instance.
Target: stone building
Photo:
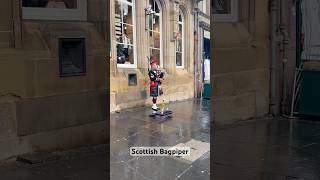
(240, 52)
(260, 49)
(55, 57)
(172, 31)
(53, 75)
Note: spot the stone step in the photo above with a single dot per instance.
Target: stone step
(44, 157)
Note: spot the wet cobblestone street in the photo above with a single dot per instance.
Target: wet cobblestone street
(134, 128)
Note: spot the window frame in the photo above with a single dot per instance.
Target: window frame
(232, 17)
(161, 33)
(135, 64)
(182, 40)
(36, 13)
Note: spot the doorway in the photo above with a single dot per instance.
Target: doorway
(206, 65)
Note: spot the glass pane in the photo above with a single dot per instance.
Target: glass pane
(60, 4)
(151, 3)
(157, 8)
(125, 54)
(118, 11)
(127, 14)
(124, 34)
(180, 28)
(130, 59)
(119, 31)
(154, 6)
(150, 25)
(156, 23)
(180, 18)
(222, 6)
(156, 53)
(151, 39)
(179, 45)
(156, 40)
(178, 59)
(123, 13)
(127, 36)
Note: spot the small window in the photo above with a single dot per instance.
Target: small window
(180, 42)
(55, 9)
(225, 10)
(72, 56)
(132, 79)
(66, 4)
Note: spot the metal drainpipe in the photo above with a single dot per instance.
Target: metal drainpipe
(196, 69)
(274, 67)
(285, 42)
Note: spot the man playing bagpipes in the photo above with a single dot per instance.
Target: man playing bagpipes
(156, 77)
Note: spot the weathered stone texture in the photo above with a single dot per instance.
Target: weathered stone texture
(241, 66)
(39, 110)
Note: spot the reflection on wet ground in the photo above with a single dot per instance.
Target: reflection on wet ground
(135, 128)
(77, 164)
(129, 128)
(267, 149)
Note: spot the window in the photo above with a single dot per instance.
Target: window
(125, 33)
(72, 56)
(154, 30)
(225, 10)
(55, 9)
(180, 42)
(202, 5)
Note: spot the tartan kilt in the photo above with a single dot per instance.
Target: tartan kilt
(154, 91)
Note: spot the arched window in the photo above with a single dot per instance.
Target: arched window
(125, 33)
(154, 30)
(180, 42)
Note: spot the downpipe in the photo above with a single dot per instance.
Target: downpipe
(284, 51)
(196, 42)
(274, 63)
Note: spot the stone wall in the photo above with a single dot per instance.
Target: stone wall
(39, 110)
(241, 64)
(6, 31)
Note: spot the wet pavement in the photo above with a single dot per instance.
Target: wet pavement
(267, 149)
(135, 128)
(129, 128)
(77, 164)
(257, 149)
